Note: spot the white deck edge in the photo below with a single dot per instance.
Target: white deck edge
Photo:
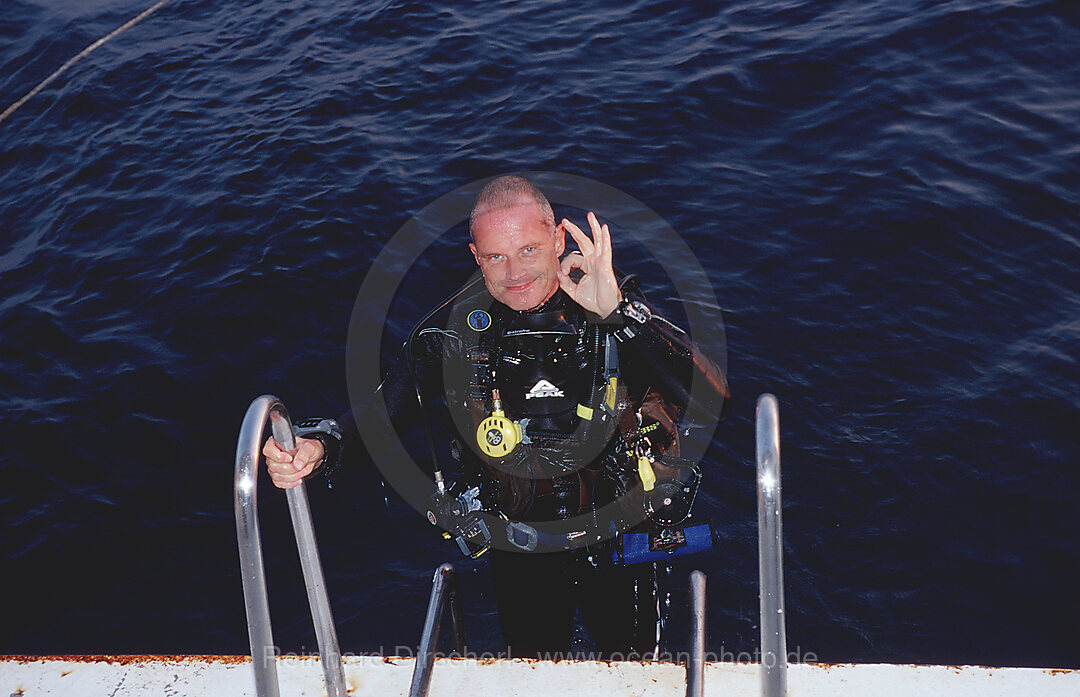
(232, 676)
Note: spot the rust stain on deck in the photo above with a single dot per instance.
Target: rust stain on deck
(127, 660)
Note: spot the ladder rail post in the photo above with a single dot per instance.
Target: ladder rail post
(444, 587)
(695, 667)
(249, 542)
(457, 614)
(770, 549)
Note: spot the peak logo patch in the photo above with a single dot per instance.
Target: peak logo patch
(543, 388)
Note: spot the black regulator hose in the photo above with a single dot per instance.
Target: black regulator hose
(436, 468)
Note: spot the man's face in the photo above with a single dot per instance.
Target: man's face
(518, 252)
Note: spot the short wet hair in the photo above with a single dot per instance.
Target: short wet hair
(504, 192)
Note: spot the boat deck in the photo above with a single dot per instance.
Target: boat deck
(232, 676)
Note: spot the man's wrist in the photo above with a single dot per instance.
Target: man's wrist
(614, 308)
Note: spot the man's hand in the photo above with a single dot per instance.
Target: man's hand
(286, 471)
(596, 291)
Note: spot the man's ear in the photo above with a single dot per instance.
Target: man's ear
(472, 248)
(560, 240)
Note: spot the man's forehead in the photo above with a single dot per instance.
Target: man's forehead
(521, 217)
(523, 206)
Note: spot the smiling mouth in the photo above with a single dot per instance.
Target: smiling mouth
(518, 289)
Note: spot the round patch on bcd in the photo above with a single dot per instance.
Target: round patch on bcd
(479, 320)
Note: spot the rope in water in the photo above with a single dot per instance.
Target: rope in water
(80, 55)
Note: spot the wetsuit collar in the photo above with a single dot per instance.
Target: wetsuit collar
(550, 317)
(555, 302)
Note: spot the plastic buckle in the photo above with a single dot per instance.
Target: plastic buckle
(514, 528)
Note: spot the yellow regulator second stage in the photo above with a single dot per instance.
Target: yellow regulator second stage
(497, 435)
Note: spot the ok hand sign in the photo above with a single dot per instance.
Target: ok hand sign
(596, 291)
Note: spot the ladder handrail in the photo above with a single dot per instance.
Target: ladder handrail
(695, 667)
(444, 587)
(252, 568)
(770, 549)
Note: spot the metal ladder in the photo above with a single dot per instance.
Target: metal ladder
(445, 589)
(770, 567)
(444, 584)
(249, 540)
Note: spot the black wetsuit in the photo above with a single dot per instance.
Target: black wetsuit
(553, 366)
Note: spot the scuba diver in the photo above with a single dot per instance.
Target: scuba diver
(564, 389)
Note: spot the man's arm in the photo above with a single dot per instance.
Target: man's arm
(674, 364)
(661, 349)
(322, 443)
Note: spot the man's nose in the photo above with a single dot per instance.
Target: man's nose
(512, 267)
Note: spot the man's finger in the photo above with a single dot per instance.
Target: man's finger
(307, 454)
(310, 450)
(584, 243)
(272, 451)
(286, 482)
(594, 225)
(270, 448)
(305, 451)
(601, 235)
(280, 468)
(285, 476)
(566, 283)
(572, 261)
(605, 244)
(296, 469)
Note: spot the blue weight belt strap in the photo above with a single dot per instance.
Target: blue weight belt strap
(660, 545)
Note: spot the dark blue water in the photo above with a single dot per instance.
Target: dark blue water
(884, 197)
